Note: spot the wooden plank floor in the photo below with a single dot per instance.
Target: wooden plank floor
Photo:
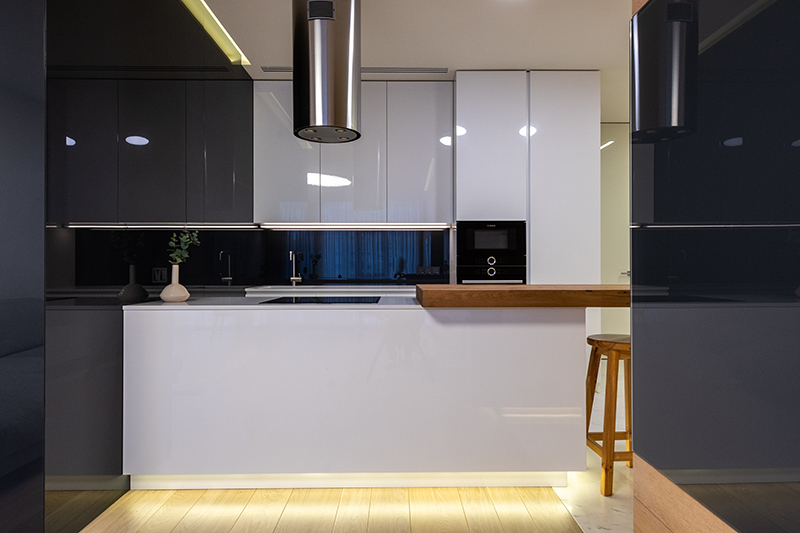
(389, 510)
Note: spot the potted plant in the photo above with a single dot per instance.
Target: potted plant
(179, 253)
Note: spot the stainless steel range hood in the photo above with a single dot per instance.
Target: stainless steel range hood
(327, 70)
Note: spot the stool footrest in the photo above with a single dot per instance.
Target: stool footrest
(598, 435)
(618, 456)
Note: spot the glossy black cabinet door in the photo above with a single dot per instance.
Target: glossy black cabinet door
(219, 141)
(81, 151)
(152, 151)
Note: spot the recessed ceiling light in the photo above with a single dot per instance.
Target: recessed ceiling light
(137, 140)
(531, 131)
(327, 180)
(446, 140)
(70, 141)
(609, 143)
(733, 141)
(461, 131)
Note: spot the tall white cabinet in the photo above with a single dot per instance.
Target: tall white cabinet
(491, 154)
(398, 171)
(564, 212)
(530, 150)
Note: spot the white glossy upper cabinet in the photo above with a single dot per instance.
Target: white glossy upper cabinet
(420, 164)
(564, 224)
(353, 184)
(285, 168)
(491, 153)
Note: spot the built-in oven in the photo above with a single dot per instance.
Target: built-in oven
(491, 252)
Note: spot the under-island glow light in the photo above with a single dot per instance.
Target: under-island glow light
(216, 31)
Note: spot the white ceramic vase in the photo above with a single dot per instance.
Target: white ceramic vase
(175, 292)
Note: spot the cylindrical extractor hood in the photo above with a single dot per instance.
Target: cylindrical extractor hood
(327, 70)
(664, 50)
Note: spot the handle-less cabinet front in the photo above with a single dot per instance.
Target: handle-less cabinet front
(152, 151)
(353, 174)
(420, 163)
(286, 168)
(81, 151)
(491, 145)
(219, 150)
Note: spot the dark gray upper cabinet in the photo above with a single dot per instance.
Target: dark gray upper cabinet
(219, 143)
(81, 151)
(152, 151)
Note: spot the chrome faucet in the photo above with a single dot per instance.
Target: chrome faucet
(294, 257)
(229, 277)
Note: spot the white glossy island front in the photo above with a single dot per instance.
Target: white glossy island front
(229, 392)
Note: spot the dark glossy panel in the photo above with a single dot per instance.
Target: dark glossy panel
(715, 386)
(740, 166)
(81, 151)
(228, 119)
(753, 265)
(219, 144)
(195, 151)
(22, 145)
(716, 259)
(152, 177)
(84, 389)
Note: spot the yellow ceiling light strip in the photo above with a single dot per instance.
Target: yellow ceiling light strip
(216, 31)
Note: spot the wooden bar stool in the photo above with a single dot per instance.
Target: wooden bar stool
(616, 348)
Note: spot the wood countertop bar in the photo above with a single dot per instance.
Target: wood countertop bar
(490, 295)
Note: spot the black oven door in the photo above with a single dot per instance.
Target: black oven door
(491, 251)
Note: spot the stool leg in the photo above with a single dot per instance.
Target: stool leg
(628, 441)
(609, 425)
(591, 382)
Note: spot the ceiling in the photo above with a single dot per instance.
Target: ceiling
(458, 35)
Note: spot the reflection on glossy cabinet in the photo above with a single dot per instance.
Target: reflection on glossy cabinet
(491, 145)
(152, 151)
(81, 151)
(420, 159)
(353, 181)
(286, 169)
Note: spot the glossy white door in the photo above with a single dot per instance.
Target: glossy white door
(420, 155)
(564, 224)
(283, 165)
(491, 153)
(353, 183)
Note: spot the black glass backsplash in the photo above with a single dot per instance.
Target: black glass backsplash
(262, 257)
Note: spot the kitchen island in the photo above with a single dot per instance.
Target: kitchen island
(232, 392)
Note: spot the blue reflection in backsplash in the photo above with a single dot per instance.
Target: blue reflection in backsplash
(262, 257)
